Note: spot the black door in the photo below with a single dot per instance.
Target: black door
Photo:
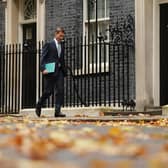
(29, 66)
(163, 54)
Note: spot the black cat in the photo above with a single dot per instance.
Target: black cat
(128, 104)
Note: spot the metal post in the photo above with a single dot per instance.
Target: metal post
(114, 76)
(19, 63)
(100, 81)
(9, 78)
(12, 76)
(16, 79)
(105, 73)
(71, 67)
(77, 66)
(81, 80)
(93, 83)
(88, 50)
(118, 72)
(74, 63)
(109, 75)
(85, 88)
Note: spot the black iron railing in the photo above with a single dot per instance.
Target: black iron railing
(101, 72)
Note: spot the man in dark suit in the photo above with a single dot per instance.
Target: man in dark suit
(53, 52)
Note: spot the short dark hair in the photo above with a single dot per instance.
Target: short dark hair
(59, 29)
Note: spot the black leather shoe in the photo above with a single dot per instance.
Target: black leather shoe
(38, 111)
(59, 114)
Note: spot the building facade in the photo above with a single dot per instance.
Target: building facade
(151, 51)
(71, 15)
(37, 19)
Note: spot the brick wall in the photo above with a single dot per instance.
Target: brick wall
(2, 22)
(2, 40)
(121, 7)
(119, 10)
(67, 13)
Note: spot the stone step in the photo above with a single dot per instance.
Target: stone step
(152, 108)
(127, 113)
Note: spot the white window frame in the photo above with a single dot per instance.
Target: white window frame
(93, 66)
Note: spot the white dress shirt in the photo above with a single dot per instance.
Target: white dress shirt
(58, 46)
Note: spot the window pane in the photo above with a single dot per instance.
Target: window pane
(91, 9)
(107, 8)
(101, 8)
(103, 26)
(93, 30)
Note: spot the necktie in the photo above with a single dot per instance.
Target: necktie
(59, 49)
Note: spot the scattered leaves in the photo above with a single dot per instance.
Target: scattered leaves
(36, 140)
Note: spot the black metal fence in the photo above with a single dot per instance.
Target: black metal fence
(10, 78)
(101, 72)
(101, 81)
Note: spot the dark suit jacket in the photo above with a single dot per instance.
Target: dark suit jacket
(49, 55)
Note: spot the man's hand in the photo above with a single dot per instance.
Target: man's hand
(45, 72)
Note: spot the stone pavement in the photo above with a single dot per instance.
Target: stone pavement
(47, 142)
(83, 139)
(93, 115)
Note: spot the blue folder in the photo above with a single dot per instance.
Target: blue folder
(50, 67)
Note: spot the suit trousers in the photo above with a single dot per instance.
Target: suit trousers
(53, 83)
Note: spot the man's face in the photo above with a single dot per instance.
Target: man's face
(59, 36)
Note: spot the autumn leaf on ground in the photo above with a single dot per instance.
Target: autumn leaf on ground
(117, 135)
(38, 150)
(60, 140)
(100, 164)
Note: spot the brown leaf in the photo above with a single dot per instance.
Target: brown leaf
(60, 140)
(16, 141)
(101, 113)
(136, 150)
(117, 135)
(37, 150)
(115, 131)
(81, 115)
(6, 131)
(99, 164)
(165, 147)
